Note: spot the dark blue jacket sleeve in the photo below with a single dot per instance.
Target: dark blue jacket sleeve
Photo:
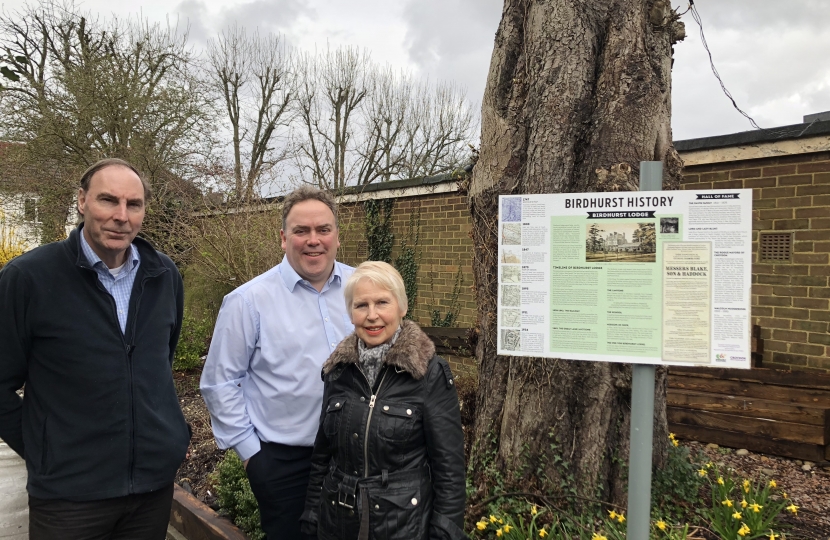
(13, 355)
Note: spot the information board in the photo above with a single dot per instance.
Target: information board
(656, 277)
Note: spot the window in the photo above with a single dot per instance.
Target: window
(30, 213)
(775, 247)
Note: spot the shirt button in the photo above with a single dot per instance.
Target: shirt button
(332, 344)
(326, 319)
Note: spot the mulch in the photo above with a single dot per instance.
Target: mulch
(809, 489)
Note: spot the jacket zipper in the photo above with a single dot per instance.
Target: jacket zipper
(369, 421)
(130, 349)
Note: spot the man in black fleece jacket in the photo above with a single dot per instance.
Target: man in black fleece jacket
(89, 325)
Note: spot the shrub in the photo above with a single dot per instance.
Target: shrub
(193, 342)
(236, 500)
(676, 486)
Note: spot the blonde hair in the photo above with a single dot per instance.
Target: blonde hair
(381, 274)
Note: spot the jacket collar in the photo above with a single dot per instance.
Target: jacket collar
(151, 263)
(411, 352)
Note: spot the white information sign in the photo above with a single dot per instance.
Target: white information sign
(650, 277)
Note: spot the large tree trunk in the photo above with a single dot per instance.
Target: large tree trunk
(578, 94)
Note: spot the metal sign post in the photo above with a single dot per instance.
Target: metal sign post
(642, 412)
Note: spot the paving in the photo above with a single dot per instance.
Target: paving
(14, 503)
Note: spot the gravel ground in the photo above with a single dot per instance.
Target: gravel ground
(809, 489)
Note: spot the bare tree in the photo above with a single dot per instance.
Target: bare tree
(252, 74)
(90, 89)
(575, 90)
(361, 123)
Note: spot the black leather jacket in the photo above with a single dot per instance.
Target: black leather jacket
(397, 448)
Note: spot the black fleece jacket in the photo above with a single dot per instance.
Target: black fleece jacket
(99, 417)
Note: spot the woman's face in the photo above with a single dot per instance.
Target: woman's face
(376, 314)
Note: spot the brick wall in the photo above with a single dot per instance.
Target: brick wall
(789, 299)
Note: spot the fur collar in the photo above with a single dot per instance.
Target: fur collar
(411, 352)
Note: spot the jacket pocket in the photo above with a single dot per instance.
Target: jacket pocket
(397, 421)
(334, 413)
(397, 514)
(334, 520)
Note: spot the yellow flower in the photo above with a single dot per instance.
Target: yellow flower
(674, 442)
(501, 521)
(727, 502)
(481, 525)
(612, 514)
(507, 528)
(598, 537)
(744, 503)
(671, 436)
(709, 465)
(755, 507)
(720, 480)
(784, 495)
(701, 472)
(492, 518)
(543, 533)
(661, 525)
(772, 483)
(533, 510)
(772, 535)
(746, 486)
(793, 508)
(498, 532)
(744, 530)
(736, 515)
(620, 518)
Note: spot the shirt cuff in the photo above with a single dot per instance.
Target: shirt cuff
(247, 448)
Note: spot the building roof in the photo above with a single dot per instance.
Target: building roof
(796, 131)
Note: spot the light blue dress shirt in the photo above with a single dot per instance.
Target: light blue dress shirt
(261, 380)
(120, 286)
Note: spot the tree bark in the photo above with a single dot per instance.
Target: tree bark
(578, 94)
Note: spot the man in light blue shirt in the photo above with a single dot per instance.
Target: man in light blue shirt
(261, 381)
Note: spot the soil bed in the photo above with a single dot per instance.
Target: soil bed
(810, 490)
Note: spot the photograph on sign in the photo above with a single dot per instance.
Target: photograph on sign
(641, 277)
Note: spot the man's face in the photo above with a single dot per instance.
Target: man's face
(113, 209)
(310, 241)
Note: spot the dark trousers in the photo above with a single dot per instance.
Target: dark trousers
(134, 517)
(279, 478)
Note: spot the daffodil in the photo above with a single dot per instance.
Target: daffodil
(481, 525)
(533, 510)
(543, 533)
(498, 532)
(701, 472)
(744, 503)
(621, 518)
(746, 486)
(772, 535)
(784, 495)
(793, 508)
(612, 514)
(492, 518)
(507, 528)
(501, 521)
(755, 507)
(675, 442)
(709, 465)
(772, 484)
(598, 537)
(744, 530)
(736, 515)
(720, 480)
(727, 502)
(661, 525)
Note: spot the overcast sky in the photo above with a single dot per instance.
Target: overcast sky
(771, 54)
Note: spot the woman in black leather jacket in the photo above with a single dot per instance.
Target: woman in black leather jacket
(388, 460)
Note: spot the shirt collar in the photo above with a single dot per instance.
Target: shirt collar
(290, 277)
(94, 259)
